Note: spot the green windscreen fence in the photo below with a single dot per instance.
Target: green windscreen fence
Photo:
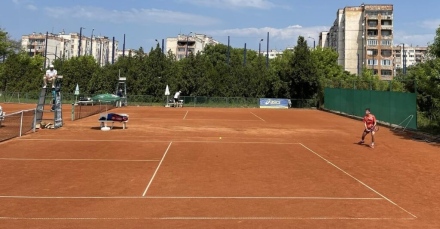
(392, 107)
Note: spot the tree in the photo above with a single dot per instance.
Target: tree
(303, 78)
(7, 45)
(434, 49)
(78, 70)
(22, 73)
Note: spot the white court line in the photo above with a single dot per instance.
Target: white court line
(159, 141)
(204, 218)
(152, 118)
(191, 197)
(226, 120)
(184, 117)
(346, 173)
(157, 169)
(57, 159)
(258, 117)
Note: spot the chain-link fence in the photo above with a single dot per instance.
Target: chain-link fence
(149, 100)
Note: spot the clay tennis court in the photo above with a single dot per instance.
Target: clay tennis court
(217, 168)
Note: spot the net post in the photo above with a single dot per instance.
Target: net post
(21, 123)
(73, 112)
(34, 126)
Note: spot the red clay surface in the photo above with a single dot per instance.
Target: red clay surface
(217, 168)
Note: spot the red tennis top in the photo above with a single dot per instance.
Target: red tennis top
(369, 119)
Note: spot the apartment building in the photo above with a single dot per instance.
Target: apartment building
(182, 45)
(363, 37)
(66, 46)
(409, 55)
(323, 40)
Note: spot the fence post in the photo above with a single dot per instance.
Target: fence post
(21, 123)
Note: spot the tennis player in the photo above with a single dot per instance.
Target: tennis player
(176, 98)
(369, 125)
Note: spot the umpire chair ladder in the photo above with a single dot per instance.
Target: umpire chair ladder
(122, 84)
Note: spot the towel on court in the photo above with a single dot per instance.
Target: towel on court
(114, 117)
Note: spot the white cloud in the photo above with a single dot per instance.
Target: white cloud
(259, 4)
(431, 24)
(289, 33)
(413, 39)
(31, 7)
(141, 16)
(28, 4)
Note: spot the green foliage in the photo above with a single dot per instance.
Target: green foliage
(303, 76)
(424, 78)
(21, 73)
(434, 49)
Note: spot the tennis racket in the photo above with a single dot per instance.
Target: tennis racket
(374, 128)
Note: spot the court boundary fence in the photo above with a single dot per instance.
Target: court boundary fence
(395, 109)
(149, 100)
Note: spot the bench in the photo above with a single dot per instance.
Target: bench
(103, 121)
(171, 103)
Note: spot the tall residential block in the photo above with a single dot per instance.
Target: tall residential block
(363, 37)
(66, 46)
(183, 45)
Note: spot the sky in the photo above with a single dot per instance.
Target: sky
(245, 21)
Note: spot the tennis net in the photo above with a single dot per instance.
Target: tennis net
(85, 109)
(16, 124)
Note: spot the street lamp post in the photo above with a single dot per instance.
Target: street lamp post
(358, 64)
(45, 48)
(313, 42)
(373, 63)
(403, 57)
(91, 43)
(6, 40)
(187, 40)
(80, 37)
(158, 45)
(404, 60)
(259, 46)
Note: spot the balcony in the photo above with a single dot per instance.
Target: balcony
(372, 23)
(386, 53)
(386, 33)
(387, 17)
(372, 32)
(184, 43)
(372, 16)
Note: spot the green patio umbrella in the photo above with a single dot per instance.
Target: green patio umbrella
(106, 98)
